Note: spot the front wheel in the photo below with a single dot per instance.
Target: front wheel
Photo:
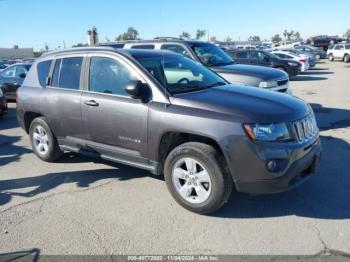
(43, 141)
(318, 57)
(331, 57)
(197, 177)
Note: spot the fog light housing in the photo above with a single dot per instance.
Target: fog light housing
(272, 165)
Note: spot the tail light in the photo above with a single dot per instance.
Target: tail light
(302, 60)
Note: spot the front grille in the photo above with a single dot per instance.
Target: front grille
(306, 128)
(282, 82)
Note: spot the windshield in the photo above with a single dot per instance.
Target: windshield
(179, 74)
(211, 55)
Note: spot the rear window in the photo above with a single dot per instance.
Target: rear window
(143, 47)
(67, 73)
(43, 72)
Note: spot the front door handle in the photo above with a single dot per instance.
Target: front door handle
(91, 103)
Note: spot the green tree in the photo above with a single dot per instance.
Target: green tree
(130, 34)
(228, 39)
(347, 34)
(276, 39)
(254, 38)
(296, 37)
(288, 34)
(185, 35)
(213, 39)
(200, 34)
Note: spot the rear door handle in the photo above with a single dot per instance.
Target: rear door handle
(91, 103)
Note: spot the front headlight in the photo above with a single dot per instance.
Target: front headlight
(267, 132)
(268, 84)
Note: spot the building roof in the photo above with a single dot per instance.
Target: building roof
(16, 53)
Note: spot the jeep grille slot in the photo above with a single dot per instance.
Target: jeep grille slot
(282, 82)
(305, 129)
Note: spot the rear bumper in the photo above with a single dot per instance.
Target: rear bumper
(296, 174)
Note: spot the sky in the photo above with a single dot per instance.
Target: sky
(34, 23)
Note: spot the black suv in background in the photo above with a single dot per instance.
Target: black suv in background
(217, 60)
(263, 58)
(167, 114)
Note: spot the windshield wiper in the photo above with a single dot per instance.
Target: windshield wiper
(222, 83)
(188, 88)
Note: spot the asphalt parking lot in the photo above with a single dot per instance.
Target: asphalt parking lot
(80, 206)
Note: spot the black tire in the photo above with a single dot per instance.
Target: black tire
(214, 163)
(347, 58)
(54, 152)
(284, 70)
(331, 57)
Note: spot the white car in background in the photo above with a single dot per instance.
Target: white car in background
(339, 51)
(303, 59)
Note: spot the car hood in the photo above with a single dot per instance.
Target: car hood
(245, 104)
(265, 73)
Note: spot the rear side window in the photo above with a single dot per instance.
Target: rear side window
(67, 73)
(347, 47)
(143, 47)
(43, 72)
(176, 48)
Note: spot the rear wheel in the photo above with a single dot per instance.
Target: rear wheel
(43, 141)
(194, 177)
(347, 58)
(330, 57)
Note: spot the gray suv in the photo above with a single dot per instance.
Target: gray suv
(217, 60)
(167, 114)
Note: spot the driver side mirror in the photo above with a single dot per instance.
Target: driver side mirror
(134, 88)
(22, 75)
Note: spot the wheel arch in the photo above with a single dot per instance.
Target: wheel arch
(171, 139)
(29, 116)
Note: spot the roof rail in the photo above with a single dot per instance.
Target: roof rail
(167, 38)
(78, 49)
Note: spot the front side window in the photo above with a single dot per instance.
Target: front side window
(241, 55)
(67, 73)
(211, 55)
(9, 72)
(177, 49)
(109, 76)
(20, 71)
(43, 71)
(180, 74)
(258, 56)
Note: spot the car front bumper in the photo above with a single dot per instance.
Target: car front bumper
(249, 169)
(297, 174)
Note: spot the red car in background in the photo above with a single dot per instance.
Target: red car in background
(3, 104)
